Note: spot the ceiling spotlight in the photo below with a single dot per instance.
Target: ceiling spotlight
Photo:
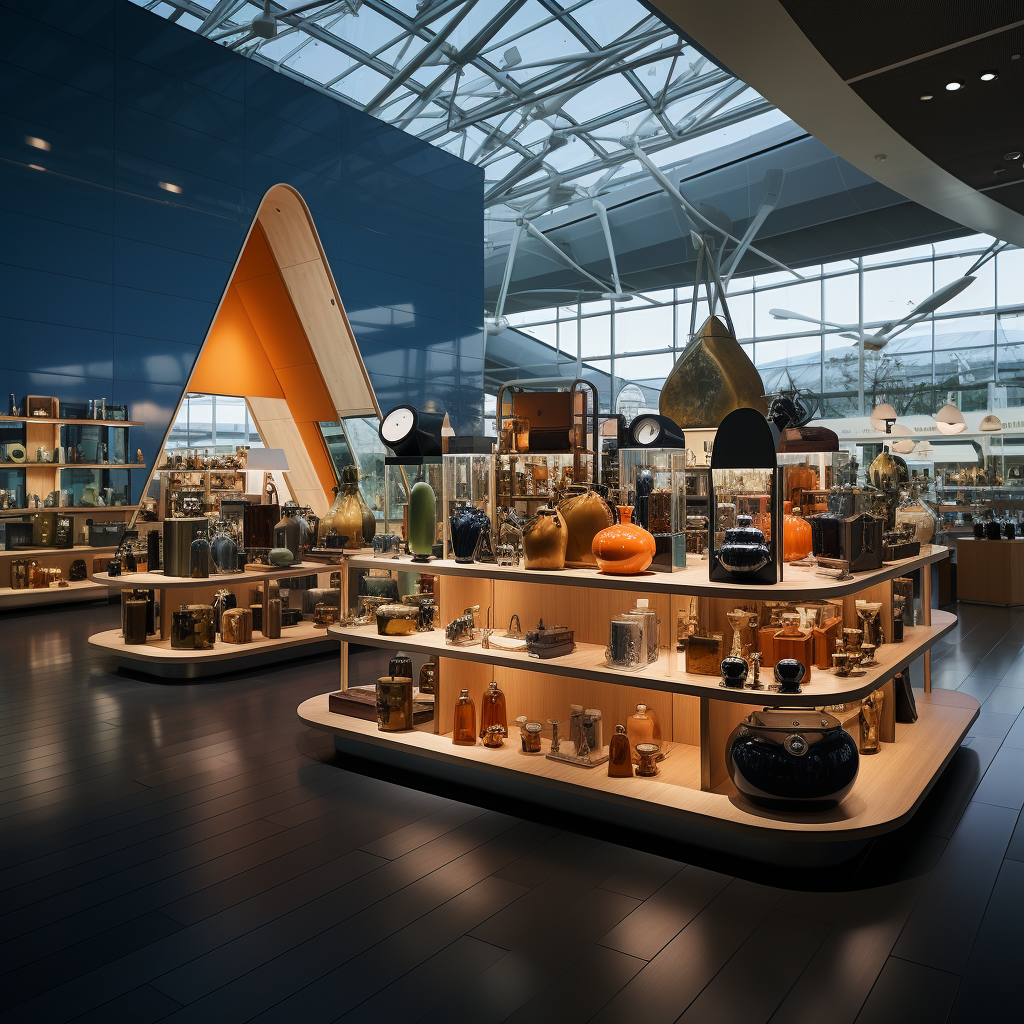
(954, 86)
(1013, 155)
(927, 96)
(881, 157)
(169, 187)
(989, 76)
(37, 143)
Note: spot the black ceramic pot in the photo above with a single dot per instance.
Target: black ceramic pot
(789, 674)
(744, 550)
(979, 529)
(734, 672)
(993, 530)
(1009, 529)
(792, 759)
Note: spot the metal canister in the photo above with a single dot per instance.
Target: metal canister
(576, 726)
(394, 703)
(593, 730)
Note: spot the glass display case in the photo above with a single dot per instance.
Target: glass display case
(468, 481)
(524, 483)
(653, 481)
(400, 477)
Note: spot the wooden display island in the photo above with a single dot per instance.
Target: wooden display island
(693, 800)
(157, 658)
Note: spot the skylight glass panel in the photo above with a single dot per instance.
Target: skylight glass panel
(595, 71)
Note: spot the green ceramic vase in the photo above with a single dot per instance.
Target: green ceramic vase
(421, 528)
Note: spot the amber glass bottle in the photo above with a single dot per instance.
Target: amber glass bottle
(464, 731)
(492, 710)
(639, 728)
(620, 761)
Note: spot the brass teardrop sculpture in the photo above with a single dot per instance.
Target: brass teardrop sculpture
(712, 377)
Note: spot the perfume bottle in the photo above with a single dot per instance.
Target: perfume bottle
(492, 710)
(464, 730)
(620, 761)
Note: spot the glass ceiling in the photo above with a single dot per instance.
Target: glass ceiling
(549, 98)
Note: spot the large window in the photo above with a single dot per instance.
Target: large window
(804, 333)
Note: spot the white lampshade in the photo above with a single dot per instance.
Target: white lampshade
(950, 420)
(882, 412)
(266, 460)
(991, 423)
(904, 446)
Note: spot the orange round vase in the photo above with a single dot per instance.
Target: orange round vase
(624, 549)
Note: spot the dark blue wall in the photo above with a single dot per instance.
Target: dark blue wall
(109, 283)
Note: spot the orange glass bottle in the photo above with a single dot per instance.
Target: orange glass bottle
(796, 534)
(620, 761)
(640, 728)
(492, 710)
(464, 730)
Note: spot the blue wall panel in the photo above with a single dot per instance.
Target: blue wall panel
(109, 283)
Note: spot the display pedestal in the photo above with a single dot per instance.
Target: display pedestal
(693, 799)
(990, 571)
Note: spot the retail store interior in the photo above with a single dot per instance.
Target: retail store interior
(511, 510)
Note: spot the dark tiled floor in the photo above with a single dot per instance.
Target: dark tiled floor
(193, 853)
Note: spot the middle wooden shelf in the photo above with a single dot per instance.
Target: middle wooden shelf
(588, 662)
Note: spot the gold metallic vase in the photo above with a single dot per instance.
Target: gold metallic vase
(712, 377)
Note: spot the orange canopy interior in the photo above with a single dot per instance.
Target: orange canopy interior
(257, 348)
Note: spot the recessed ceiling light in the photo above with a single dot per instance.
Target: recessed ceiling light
(927, 96)
(36, 167)
(170, 188)
(954, 86)
(37, 143)
(1014, 155)
(989, 76)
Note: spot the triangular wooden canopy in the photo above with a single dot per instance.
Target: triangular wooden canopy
(282, 341)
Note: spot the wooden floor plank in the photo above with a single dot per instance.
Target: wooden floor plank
(194, 853)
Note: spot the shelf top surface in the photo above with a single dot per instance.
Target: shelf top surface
(797, 582)
(90, 423)
(78, 548)
(588, 662)
(158, 581)
(8, 512)
(301, 634)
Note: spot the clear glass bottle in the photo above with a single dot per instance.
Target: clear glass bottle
(492, 710)
(620, 760)
(464, 729)
(531, 740)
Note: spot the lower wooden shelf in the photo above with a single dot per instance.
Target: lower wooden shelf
(158, 658)
(81, 590)
(889, 788)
